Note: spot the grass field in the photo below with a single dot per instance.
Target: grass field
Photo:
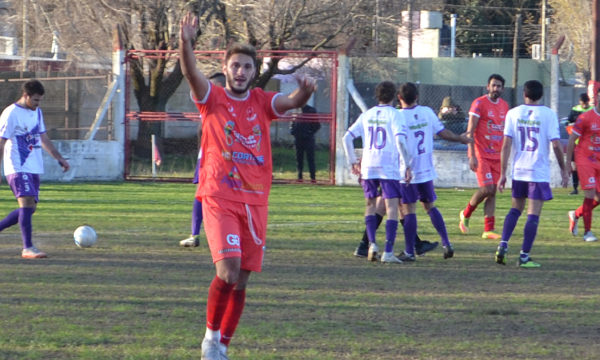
(137, 295)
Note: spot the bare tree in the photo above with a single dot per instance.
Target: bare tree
(578, 32)
(84, 31)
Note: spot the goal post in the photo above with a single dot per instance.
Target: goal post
(176, 127)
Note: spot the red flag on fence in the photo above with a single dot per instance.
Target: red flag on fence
(156, 154)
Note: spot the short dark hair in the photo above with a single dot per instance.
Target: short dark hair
(33, 87)
(584, 97)
(408, 92)
(496, 77)
(533, 89)
(385, 91)
(237, 48)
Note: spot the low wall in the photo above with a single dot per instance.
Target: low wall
(89, 160)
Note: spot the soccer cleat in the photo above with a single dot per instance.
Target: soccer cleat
(210, 350)
(574, 192)
(389, 258)
(406, 257)
(223, 351)
(589, 236)
(448, 252)
(33, 253)
(425, 246)
(491, 235)
(373, 251)
(573, 223)
(362, 250)
(527, 263)
(192, 241)
(501, 255)
(463, 225)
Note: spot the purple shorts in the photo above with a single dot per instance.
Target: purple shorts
(374, 187)
(24, 184)
(195, 181)
(531, 190)
(422, 191)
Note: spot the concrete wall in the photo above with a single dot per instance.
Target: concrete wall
(90, 161)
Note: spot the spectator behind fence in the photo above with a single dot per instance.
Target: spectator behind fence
(452, 116)
(304, 141)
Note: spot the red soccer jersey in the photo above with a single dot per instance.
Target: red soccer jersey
(587, 127)
(489, 132)
(236, 146)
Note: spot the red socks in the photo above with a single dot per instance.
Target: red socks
(218, 297)
(232, 316)
(586, 210)
(489, 223)
(469, 210)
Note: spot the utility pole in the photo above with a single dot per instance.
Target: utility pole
(594, 84)
(410, 41)
(24, 47)
(543, 39)
(515, 74)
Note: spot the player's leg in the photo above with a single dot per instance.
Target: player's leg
(391, 195)
(427, 196)
(25, 187)
(486, 182)
(489, 207)
(299, 157)
(310, 158)
(590, 185)
(371, 191)
(574, 177)
(410, 195)
(534, 210)
(194, 239)
(363, 247)
(519, 196)
(11, 219)
(223, 232)
(539, 192)
(253, 242)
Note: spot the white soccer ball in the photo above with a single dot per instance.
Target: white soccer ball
(85, 236)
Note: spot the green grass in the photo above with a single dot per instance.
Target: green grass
(137, 295)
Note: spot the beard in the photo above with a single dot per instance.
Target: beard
(237, 90)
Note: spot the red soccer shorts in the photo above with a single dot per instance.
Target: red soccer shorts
(235, 229)
(589, 176)
(488, 172)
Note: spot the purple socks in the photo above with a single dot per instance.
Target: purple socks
(196, 217)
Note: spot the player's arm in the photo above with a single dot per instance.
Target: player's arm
(188, 28)
(348, 142)
(570, 149)
(451, 136)
(504, 155)
(299, 97)
(49, 147)
(560, 158)
(2, 143)
(406, 155)
(471, 126)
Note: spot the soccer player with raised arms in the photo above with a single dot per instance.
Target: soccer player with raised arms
(384, 140)
(529, 132)
(236, 174)
(423, 124)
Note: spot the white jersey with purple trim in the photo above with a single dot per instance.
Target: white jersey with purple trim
(531, 128)
(378, 128)
(422, 125)
(22, 127)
